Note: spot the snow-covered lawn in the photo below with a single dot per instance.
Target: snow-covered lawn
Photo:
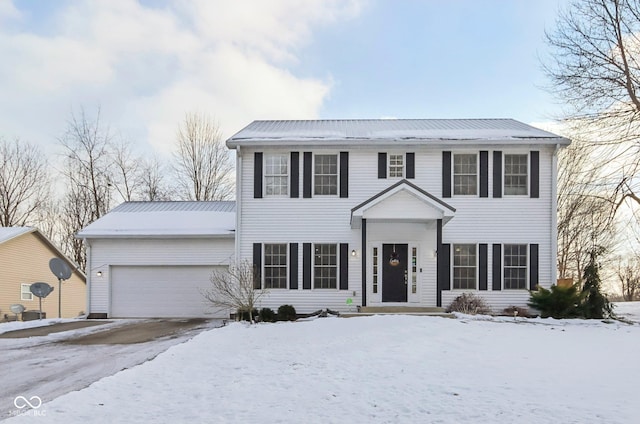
(380, 369)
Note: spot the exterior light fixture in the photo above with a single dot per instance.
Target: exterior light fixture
(354, 253)
(99, 273)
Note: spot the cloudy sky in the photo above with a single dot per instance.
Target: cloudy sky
(145, 63)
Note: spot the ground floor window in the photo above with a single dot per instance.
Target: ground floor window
(325, 266)
(25, 292)
(464, 266)
(275, 266)
(515, 266)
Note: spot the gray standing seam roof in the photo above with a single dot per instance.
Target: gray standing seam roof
(200, 206)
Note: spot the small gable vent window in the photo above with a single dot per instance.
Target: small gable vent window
(25, 292)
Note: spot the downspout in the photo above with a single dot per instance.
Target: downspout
(238, 202)
(88, 276)
(554, 215)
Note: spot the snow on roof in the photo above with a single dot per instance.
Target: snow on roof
(8, 233)
(165, 219)
(385, 130)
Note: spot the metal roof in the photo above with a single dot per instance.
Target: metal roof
(361, 131)
(165, 219)
(8, 233)
(222, 206)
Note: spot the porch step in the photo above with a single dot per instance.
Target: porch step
(400, 309)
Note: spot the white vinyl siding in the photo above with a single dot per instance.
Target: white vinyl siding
(275, 266)
(25, 292)
(465, 174)
(276, 174)
(325, 175)
(516, 175)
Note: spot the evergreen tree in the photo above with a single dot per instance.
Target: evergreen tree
(595, 304)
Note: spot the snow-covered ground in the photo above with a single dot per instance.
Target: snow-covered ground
(380, 369)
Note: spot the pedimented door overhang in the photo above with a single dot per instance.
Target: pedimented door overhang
(402, 201)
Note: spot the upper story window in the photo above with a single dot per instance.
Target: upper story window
(325, 266)
(276, 174)
(465, 174)
(515, 266)
(325, 174)
(396, 166)
(275, 266)
(25, 292)
(464, 266)
(516, 174)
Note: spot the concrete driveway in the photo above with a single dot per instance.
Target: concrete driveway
(48, 362)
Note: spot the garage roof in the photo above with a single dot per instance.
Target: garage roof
(165, 219)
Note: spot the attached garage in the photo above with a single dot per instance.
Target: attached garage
(160, 291)
(152, 259)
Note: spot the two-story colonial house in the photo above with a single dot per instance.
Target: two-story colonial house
(343, 213)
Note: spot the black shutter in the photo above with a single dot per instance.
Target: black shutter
(497, 174)
(344, 266)
(306, 174)
(344, 174)
(497, 267)
(382, 165)
(411, 165)
(444, 266)
(533, 266)
(293, 266)
(484, 174)
(482, 265)
(295, 174)
(446, 174)
(535, 174)
(257, 175)
(306, 266)
(257, 265)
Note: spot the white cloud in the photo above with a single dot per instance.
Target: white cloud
(147, 66)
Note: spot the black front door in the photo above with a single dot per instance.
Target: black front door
(394, 272)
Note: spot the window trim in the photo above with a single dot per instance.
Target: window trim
(527, 252)
(337, 266)
(504, 173)
(265, 175)
(22, 293)
(313, 174)
(453, 172)
(403, 166)
(453, 266)
(264, 266)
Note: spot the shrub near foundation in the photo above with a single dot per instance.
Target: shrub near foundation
(287, 313)
(468, 303)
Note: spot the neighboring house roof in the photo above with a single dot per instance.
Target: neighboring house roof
(165, 219)
(382, 131)
(10, 233)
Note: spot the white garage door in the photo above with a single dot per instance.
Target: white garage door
(161, 292)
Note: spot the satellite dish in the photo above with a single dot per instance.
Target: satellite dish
(40, 289)
(17, 308)
(60, 268)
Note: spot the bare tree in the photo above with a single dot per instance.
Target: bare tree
(595, 69)
(628, 272)
(24, 183)
(126, 168)
(151, 181)
(88, 173)
(237, 288)
(201, 161)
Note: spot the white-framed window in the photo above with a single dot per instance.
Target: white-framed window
(25, 293)
(516, 174)
(325, 174)
(276, 174)
(515, 266)
(325, 266)
(464, 266)
(465, 174)
(396, 166)
(275, 266)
